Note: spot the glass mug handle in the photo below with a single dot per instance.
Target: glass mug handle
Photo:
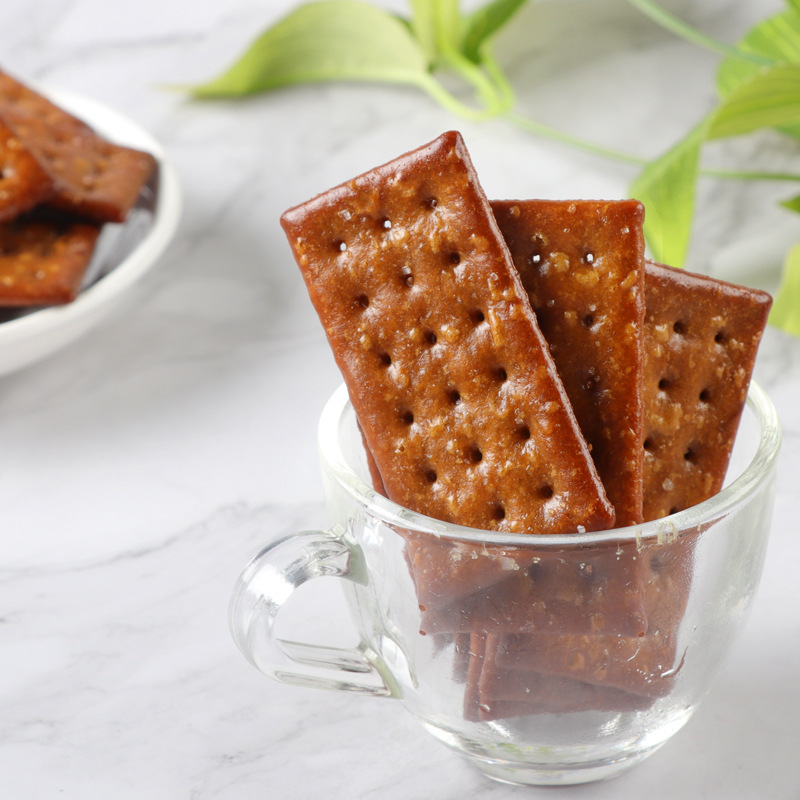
(266, 584)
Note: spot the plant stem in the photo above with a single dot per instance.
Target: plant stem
(556, 135)
(749, 176)
(691, 34)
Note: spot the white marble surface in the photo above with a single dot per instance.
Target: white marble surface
(145, 464)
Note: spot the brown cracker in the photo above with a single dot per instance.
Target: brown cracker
(23, 182)
(701, 339)
(493, 692)
(447, 370)
(642, 665)
(91, 176)
(582, 264)
(462, 587)
(43, 258)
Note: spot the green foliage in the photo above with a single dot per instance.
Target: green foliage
(759, 89)
(758, 84)
(352, 40)
(326, 41)
(666, 186)
(785, 309)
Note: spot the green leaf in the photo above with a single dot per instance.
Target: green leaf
(768, 99)
(484, 23)
(793, 204)
(325, 41)
(785, 312)
(667, 187)
(776, 39)
(447, 21)
(423, 25)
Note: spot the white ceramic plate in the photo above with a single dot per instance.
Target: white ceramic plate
(124, 252)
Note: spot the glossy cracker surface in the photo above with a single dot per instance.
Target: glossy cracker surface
(43, 258)
(582, 264)
(701, 338)
(433, 332)
(23, 181)
(90, 176)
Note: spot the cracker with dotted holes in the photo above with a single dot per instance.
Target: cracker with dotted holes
(447, 371)
(43, 258)
(464, 587)
(23, 182)
(91, 176)
(582, 264)
(701, 339)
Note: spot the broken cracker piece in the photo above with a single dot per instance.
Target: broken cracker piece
(448, 373)
(91, 176)
(701, 339)
(43, 258)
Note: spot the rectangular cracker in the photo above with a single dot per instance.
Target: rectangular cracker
(449, 375)
(493, 692)
(701, 338)
(23, 182)
(43, 257)
(643, 665)
(582, 264)
(464, 587)
(469, 588)
(91, 176)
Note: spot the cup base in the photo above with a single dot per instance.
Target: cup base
(565, 774)
(559, 765)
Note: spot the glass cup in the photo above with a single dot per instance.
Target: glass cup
(540, 659)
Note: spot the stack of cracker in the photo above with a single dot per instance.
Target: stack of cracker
(60, 182)
(519, 366)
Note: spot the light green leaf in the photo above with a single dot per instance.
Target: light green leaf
(667, 187)
(423, 26)
(325, 41)
(484, 23)
(770, 98)
(447, 22)
(775, 39)
(785, 312)
(793, 204)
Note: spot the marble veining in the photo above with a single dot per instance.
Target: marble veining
(146, 463)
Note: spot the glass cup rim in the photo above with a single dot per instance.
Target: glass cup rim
(759, 468)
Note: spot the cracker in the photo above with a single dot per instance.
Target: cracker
(643, 665)
(522, 591)
(23, 182)
(447, 371)
(701, 338)
(91, 176)
(582, 264)
(492, 692)
(43, 258)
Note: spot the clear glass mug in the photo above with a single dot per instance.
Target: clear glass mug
(540, 659)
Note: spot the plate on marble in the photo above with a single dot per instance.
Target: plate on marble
(124, 252)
